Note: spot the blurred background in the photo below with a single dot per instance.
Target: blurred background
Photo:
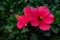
(8, 29)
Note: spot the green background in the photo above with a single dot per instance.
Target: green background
(8, 29)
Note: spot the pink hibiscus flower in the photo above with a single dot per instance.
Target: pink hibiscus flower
(41, 16)
(23, 19)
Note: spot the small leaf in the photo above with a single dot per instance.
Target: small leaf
(57, 17)
(5, 3)
(58, 25)
(24, 30)
(47, 33)
(2, 8)
(9, 27)
(11, 10)
(56, 1)
(55, 29)
(53, 9)
(11, 6)
(34, 36)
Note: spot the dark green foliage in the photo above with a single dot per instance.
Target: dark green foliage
(8, 29)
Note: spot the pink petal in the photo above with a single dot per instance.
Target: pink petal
(49, 19)
(34, 17)
(44, 26)
(27, 12)
(21, 22)
(19, 18)
(43, 11)
(34, 22)
(34, 12)
(20, 25)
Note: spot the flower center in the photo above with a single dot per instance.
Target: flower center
(40, 18)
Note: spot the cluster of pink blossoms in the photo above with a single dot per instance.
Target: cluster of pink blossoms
(39, 16)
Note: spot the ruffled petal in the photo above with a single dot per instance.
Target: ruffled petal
(21, 22)
(43, 11)
(34, 22)
(34, 17)
(27, 12)
(49, 19)
(20, 25)
(44, 26)
(34, 12)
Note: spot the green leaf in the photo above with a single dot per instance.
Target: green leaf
(11, 10)
(24, 30)
(11, 6)
(5, 3)
(9, 27)
(53, 8)
(54, 28)
(47, 33)
(34, 36)
(58, 25)
(56, 1)
(57, 17)
(11, 20)
(55, 37)
(2, 8)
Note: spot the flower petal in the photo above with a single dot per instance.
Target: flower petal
(34, 17)
(34, 12)
(27, 12)
(49, 19)
(34, 22)
(44, 26)
(43, 11)
(19, 18)
(21, 22)
(20, 25)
